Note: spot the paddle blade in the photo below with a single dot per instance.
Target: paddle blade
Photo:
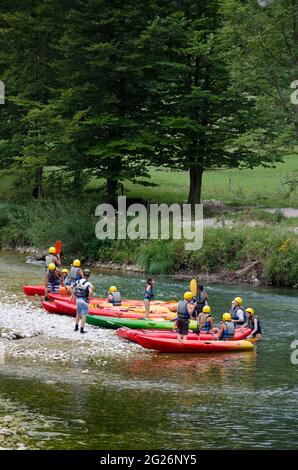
(58, 247)
(193, 287)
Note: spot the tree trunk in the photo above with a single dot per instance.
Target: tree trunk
(195, 184)
(112, 186)
(77, 181)
(37, 191)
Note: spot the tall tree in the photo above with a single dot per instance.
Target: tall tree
(202, 120)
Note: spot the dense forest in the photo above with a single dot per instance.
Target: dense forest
(109, 90)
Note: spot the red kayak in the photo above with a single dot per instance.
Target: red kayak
(70, 309)
(192, 346)
(51, 307)
(131, 335)
(34, 290)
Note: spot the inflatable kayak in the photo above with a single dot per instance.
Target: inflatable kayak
(153, 324)
(51, 307)
(34, 290)
(192, 346)
(131, 335)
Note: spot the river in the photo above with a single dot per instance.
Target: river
(62, 390)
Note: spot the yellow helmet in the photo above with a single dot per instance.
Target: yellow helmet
(188, 295)
(227, 317)
(113, 289)
(238, 300)
(76, 263)
(51, 267)
(250, 310)
(206, 309)
(64, 271)
(52, 250)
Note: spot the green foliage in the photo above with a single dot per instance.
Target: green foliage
(281, 269)
(159, 257)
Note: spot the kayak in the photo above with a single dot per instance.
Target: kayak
(192, 346)
(153, 324)
(131, 335)
(34, 290)
(51, 307)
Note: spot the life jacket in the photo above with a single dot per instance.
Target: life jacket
(229, 333)
(182, 310)
(53, 277)
(67, 281)
(200, 301)
(81, 289)
(73, 275)
(116, 298)
(235, 316)
(251, 324)
(50, 258)
(149, 295)
(207, 324)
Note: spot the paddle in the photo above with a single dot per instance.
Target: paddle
(193, 287)
(58, 247)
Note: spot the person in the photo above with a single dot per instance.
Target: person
(114, 297)
(50, 258)
(52, 280)
(201, 300)
(253, 323)
(82, 292)
(185, 310)
(148, 295)
(65, 277)
(75, 273)
(205, 321)
(237, 312)
(227, 327)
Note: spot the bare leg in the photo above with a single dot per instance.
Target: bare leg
(147, 308)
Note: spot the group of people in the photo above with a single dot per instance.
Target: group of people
(76, 281)
(197, 308)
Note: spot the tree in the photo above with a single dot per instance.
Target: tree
(202, 119)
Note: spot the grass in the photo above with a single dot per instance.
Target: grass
(258, 187)
(263, 187)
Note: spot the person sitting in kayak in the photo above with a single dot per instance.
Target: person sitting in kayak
(227, 327)
(50, 258)
(205, 321)
(75, 273)
(185, 310)
(65, 277)
(52, 280)
(148, 295)
(237, 312)
(253, 323)
(201, 300)
(82, 292)
(114, 297)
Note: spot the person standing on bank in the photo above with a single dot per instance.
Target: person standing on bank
(185, 310)
(201, 300)
(148, 295)
(82, 292)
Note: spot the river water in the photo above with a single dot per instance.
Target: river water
(59, 390)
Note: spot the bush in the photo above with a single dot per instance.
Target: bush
(159, 256)
(281, 269)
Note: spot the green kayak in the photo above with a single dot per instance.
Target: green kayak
(114, 323)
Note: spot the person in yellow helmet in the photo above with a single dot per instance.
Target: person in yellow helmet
(253, 323)
(52, 280)
(50, 257)
(205, 321)
(114, 296)
(75, 273)
(238, 313)
(82, 292)
(227, 327)
(185, 309)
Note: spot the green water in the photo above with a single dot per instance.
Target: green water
(155, 401)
